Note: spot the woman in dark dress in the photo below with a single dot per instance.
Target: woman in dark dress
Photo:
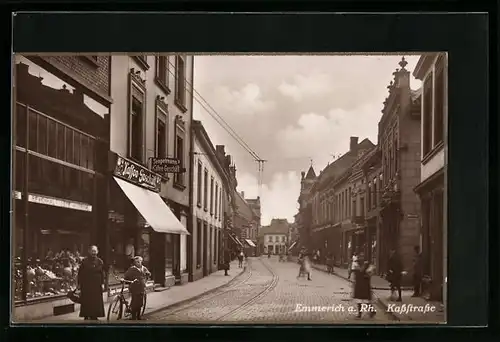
(91, 284)
(363, 290)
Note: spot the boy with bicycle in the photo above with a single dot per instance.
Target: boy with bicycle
(138, 274)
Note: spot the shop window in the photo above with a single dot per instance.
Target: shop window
(162, 70)
(169, 255)
(84, 146)
(199, 184)
(20, 125)
(212, 196)
(205, 190)
(76, 148)
(91, 154)
(180, 82)
(427, 116)
(61, 142)
(33, 129)
(143, 247)
(439, 103)
(53, 268)
(69, 145)
(41, 146)
(198, 243)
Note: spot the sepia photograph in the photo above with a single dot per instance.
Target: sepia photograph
(178, 188)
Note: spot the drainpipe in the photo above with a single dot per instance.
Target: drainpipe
(190, 220)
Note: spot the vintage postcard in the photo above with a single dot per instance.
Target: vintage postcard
(172, 189)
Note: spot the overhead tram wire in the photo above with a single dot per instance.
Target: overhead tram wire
(225, 126)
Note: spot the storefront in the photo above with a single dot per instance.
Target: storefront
(57, 191)
(250, 248)
(142, 223)
(371, 243)
(431, 194)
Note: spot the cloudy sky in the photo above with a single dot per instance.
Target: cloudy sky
(289, 110)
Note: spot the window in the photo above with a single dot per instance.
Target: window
(270, 239)
(199, 239)
(142, 60)
(205, 190)
(136, 119)
(200, 183)
(354, 207)
(220, 205)
(369, 196)
(362, 206)
(180, 82)
(179, 152)
(216, 199)
(439, 103)
(61, 151)
(212, 196)
(69, 145)
(33, 131)
(162, 76)
(20, 125)
(282, 239)
(76, 148)
(396, 153)
(427, 116)
(161, 133)
(41, 146)
(375, 192)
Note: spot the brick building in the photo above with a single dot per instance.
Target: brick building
(61, 115)
(432, 69)
(330, 196)
(399, 141)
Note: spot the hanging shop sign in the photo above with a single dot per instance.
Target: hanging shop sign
(137, 174)
(164, 166)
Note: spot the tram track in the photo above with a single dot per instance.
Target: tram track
(239, 286)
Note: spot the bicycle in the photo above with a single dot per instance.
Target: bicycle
(116, 307)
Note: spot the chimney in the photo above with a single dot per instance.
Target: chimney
(220, 150)
(303, 174)
(353, 146)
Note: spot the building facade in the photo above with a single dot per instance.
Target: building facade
(304, 216)
(432, 69)
(151, 117)
(62, 106)
(330, 196)
(371, 166)
(209, 191)
(399, 141)
(246, 223)
(275, 236)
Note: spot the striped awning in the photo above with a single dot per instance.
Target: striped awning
(235, 240)
(250, 242)
(293, 245)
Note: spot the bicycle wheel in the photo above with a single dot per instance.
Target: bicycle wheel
(115, 309)
(144, 301)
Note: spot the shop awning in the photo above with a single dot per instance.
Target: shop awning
(150, 205)
(235, 240)
(250, 242)
(239, 242)
(293, 245)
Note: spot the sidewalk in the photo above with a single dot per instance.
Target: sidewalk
(176, 295)
(400, 311)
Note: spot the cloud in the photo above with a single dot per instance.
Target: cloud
(319, 136)
(306, 86)
(278, 197)
(245, 101)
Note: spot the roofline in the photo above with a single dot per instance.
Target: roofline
(423, 64)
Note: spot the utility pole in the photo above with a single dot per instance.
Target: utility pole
(260, 163)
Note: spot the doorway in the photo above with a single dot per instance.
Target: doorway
(158, 256)
(205, 249)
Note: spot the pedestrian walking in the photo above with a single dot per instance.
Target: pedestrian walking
(138, 274)
(241, 256)
(305, 266)
(353, 265)
(227, 261)
(363, 290)
(330, 263)
(395, 273)
(91, 285)
(417, 272)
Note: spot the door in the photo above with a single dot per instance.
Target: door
(205, 249)
(158, 258)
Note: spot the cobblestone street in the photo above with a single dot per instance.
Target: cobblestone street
(269, 292)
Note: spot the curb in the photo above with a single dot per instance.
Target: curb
(352, 281)
(196, 296)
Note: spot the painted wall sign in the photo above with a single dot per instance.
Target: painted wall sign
(137, 174)
(55, 202)
(164, 166)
